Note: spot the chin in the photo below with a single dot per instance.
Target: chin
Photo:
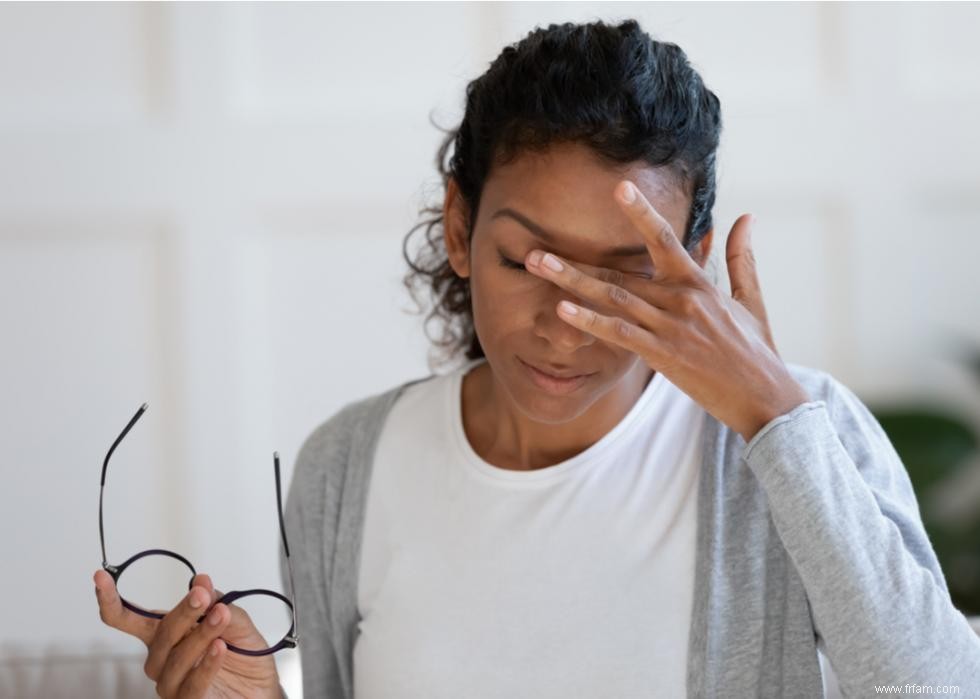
(544, 406)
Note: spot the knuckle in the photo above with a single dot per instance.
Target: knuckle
(688, 303)
(665, 235)
(624, 329)
(613, 276)
(619, 296)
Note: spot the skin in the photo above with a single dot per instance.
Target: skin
(179, 659)
(657, 311)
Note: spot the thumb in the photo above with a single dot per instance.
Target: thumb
(741, 266)
(743, 274)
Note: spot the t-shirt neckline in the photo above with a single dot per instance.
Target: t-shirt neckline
(562, 469)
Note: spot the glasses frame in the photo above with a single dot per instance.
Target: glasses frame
(290, 640)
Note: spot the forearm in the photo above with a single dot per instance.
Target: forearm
(876, 591)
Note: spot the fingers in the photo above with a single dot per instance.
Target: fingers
(669, 257)
(204, 580)
(609, 296)
(199, 679)
(183, 656)
(182, 666)
(615, 330)
(173, 627)
(114, 614)
(569, 277)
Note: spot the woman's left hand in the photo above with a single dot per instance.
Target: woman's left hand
(718, 349)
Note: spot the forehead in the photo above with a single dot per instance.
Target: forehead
(568, 191)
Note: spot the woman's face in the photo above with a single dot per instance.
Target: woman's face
(566, 194)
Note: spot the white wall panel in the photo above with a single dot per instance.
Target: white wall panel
(917, 291)
(87, 339)
(937, 50)
(202, 206)
(352, 62)
(339, 288)
(69, 64)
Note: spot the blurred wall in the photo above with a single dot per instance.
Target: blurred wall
(202, 207)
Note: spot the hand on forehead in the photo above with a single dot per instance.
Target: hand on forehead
(662, 245)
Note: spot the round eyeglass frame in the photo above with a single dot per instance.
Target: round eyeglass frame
(290, 640)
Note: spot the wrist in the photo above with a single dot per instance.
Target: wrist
(794, 395)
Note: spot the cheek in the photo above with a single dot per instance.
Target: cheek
(501, 314)
(504, 308)
(501, 289)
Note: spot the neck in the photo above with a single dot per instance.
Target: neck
(506, 437)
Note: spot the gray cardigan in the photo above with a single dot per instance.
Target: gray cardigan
(810, 531)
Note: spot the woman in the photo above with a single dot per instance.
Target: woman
(623, 491)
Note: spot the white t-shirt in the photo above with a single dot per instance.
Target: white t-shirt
(574, 580)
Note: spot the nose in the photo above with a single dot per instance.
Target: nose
(551, 327)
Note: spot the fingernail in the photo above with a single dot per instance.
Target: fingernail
(195, 602)
(215, 618)
(534, 259)
(629, 193)
(568, 308)
(552, 263)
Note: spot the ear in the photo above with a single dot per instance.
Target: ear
(703, 249)
(454, 218)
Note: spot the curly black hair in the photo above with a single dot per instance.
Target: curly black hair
(610, 87)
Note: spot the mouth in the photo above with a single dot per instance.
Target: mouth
(557, 385)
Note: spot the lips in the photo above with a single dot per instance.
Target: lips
(554, 384)
(550, 371)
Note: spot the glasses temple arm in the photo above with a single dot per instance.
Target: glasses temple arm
(285, 545)
(105, 466)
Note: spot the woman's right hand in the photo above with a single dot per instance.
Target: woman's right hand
(188, 660)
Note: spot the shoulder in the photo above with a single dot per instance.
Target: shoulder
(328, 444)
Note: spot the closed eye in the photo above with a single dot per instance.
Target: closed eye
(510, 264)
(519, 267)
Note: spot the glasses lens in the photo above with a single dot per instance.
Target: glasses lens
(271, 616)
(156, 582)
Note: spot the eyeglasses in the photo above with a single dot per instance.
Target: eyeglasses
(290, 640)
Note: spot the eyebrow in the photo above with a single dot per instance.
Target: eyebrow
(620, 251)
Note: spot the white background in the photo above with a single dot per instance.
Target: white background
(202, 207)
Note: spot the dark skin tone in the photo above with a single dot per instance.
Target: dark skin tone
(189, 660)
(653, 311)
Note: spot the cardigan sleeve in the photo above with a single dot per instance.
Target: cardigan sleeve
(310, 521)
(843, 505)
